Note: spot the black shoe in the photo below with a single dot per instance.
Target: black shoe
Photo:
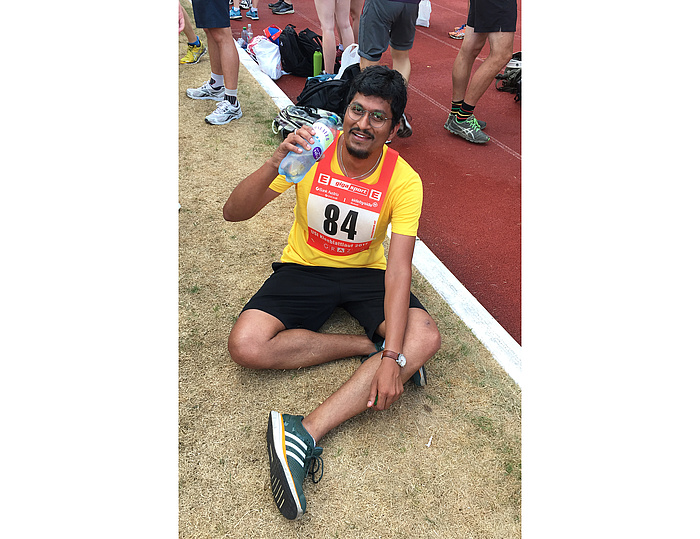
(405, 129)
(276, 4)
(283, 9)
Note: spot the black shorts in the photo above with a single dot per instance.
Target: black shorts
(306, 296)
(211, 13)
(492, 15)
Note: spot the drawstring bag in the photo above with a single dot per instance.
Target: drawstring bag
(350, 56)
(424, 10)
(267, 55)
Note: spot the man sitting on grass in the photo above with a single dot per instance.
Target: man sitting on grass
(335, 258)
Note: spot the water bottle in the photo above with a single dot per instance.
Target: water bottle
(295, 165)
(244, 36)
(250, 33)
(318, 59)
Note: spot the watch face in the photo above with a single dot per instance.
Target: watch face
(402, 360)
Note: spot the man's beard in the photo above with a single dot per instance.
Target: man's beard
(358, 154)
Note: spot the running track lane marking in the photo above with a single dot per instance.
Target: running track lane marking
(505, 350)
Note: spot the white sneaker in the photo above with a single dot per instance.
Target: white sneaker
(224, 113)
(205, 91)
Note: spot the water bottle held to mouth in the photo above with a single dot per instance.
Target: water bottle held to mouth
(295, 165)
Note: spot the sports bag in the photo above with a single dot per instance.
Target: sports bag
(329, 94)
(292, 117)
(511, 78)
(273, 34)
(297, 50)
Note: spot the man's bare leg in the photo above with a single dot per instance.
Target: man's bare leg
(470, 87)
(401, 62)
(501, 51)
(422, 341)
(464, 62)
(260, 341)
(223, 55)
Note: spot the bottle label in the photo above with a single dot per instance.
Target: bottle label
(324, 135)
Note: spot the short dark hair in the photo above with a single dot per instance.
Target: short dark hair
(380, 81)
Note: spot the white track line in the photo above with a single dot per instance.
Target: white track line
(505, 350)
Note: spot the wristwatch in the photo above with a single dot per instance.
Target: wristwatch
(400, 358)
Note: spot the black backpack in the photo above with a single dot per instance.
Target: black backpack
(330, 94)
(511, 79)
(297, 50)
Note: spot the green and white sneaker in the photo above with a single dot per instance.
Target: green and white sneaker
(419, 378)
(225, 112)
(469, 130)
(293, 455)
(205, 91)
(482, 125)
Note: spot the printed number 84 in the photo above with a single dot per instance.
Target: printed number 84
(330, 225)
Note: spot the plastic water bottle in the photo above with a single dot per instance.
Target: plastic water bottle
(244, 36)
(250, 33)
(295, 165)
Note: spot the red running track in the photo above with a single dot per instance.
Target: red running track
(471, 212)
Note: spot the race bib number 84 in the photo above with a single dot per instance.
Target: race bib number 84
(342, 214)
(339, 229)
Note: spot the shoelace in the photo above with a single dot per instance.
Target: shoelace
(473, 122)
(313, 468)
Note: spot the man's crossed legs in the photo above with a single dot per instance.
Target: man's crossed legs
(260, 341)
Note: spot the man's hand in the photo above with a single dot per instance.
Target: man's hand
(302, 135)
(386, 385)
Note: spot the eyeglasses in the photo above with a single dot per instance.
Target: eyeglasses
(376, 118)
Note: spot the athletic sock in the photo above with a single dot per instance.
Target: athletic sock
(216, 81)
(456, 105)
(465, 112)
(231, 95)
(195, 43)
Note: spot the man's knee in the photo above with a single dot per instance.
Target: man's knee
(433, 339)
(472, 45)
(220, 35)
(426, 332)
(501, 48)
(246, 350)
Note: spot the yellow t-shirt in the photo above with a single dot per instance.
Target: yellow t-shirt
(401, 208)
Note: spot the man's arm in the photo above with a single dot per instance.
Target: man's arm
(253, 193)
(387, 385)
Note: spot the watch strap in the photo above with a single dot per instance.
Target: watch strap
(390, 354)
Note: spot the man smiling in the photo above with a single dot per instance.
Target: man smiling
(335, 258)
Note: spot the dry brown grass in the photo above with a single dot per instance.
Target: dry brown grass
(381, 479)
